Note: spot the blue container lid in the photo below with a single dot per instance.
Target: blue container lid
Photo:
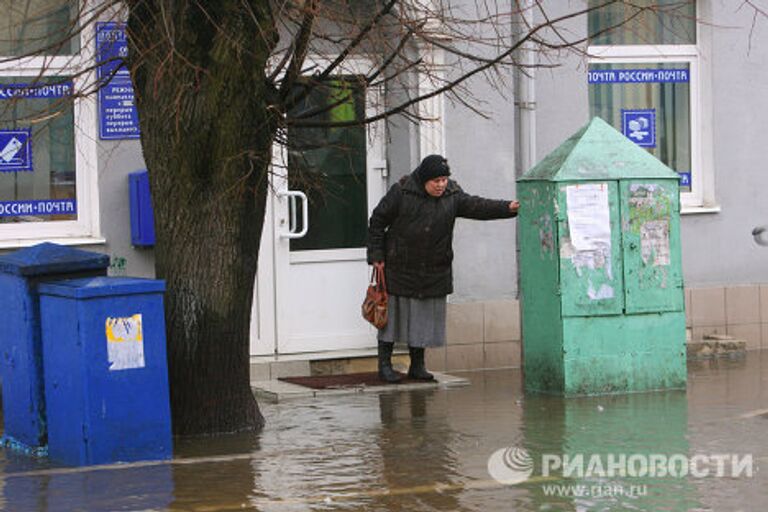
(89, 287)
(48, 258)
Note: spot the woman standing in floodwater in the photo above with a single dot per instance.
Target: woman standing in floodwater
(410, 237)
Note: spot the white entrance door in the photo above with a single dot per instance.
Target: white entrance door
(324, 186)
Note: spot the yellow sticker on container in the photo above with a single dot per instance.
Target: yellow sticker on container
(125, 342)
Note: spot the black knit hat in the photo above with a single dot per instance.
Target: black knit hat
(431, 167)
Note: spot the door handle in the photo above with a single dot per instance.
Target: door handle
(292, 195)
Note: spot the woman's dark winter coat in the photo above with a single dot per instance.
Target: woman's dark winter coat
(412, 232)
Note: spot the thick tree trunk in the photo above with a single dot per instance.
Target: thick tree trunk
(207, 137)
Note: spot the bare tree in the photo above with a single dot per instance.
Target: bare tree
(219, 83)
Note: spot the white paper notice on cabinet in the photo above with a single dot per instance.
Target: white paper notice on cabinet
(588, 216)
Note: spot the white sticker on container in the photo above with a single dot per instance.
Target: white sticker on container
(125, 342)
(589, 216)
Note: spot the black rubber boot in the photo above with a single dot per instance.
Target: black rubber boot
(417, 370)
(386, 373)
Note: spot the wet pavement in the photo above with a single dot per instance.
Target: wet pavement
(425, 450)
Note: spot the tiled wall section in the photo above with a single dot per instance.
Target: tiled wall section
(739, 311)
(480, 335)
(487, 334)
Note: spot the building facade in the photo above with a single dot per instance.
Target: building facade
(684, 82)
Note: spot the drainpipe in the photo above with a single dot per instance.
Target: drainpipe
(525, 91)
(525, 101)
(525, 115)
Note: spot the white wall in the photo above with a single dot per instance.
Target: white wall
(718, 248)
(117, 159)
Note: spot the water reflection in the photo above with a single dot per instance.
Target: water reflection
(728, 400)
(214, 471)
(131, 488)
(415, 452)
(615, 445)
(428, 450)
(319, 455)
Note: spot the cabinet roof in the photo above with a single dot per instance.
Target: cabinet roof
(598, 152)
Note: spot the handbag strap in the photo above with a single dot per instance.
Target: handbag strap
(378, 280)
(382, 281)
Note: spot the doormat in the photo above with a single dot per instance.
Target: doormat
(350, 380)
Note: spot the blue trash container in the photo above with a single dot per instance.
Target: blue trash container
(106, 378)
(22, 362)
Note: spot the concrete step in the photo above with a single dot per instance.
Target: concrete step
(322, 363)
(716, 345)
(278, 391)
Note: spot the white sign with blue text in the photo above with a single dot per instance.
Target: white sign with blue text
(639, 126)
(15, 150)
(638, 76)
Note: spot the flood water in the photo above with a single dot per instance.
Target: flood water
(429, 450)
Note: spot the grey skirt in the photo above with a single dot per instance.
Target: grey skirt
(416, 322)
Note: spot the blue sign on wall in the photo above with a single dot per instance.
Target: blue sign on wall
(639, 126)
(38, 207)
(638, 76)
(111, 50)
(118, 117)
(685, 179)
(16, 150)
(36, 91)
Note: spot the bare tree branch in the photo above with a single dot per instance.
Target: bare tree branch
(300, 48)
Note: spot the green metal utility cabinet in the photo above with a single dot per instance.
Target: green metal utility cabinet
(601, 279)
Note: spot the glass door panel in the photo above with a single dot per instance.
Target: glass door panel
(329, 165)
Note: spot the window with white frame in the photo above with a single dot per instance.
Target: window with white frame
(47, 139)
(644, 80)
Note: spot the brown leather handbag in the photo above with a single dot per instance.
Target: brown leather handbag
(375, 304)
